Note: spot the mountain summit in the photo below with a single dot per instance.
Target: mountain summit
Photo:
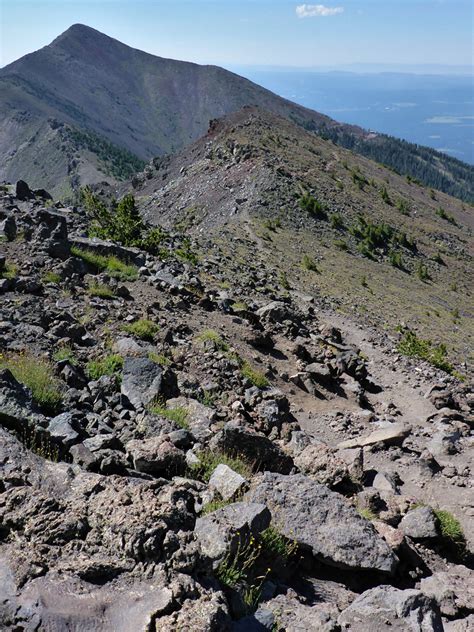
(94, 109)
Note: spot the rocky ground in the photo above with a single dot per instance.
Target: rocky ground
(178, 452)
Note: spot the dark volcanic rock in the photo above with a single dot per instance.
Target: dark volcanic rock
(322, 521)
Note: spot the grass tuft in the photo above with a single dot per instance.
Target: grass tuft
(257, 378)
(143, 329)
(38, 375)
(114, 266)
(107, 365)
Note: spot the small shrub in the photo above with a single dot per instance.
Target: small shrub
(209, 335)
(414, 347)
(159, 358)
(307, 263)
(283, 279)
(178, 415)
(65, 353)
(107, 365)
(40, 444)
(396, 260)
(51, 277)
(449, 218)
(257, 378)
(38, 375)
(312, 206)
(336, 221)
(216, 504)
(276, 545)
(143, 329)
(439, 259)
(403, 207)
(9, 271)
(368, 514)
(341, 244)
(100, 290)
(450, 526)
(385, 196)
(107, 263)
(422, 272)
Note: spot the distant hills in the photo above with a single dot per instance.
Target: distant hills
(87, 108)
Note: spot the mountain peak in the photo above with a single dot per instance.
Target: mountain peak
(83, 36)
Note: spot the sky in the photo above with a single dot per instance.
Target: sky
(256, 32)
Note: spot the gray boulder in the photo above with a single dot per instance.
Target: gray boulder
(323, 521)
(142, 381)
(226, 482)
(257, 448)
(62, 428)
(388, 608)
(156, 456)
(420, 524)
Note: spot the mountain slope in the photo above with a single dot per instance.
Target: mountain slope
(149, 106)
(372, 243)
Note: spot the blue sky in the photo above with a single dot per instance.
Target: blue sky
(256, 32)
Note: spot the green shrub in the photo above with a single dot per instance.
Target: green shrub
(9, 271)
(159, 358)
(276, 545)
(65, 353)
(209, 335)
(368, 514)
(396, 260)
(210, 459)
(283, 280)
(178, 415)
(309, 264)
(385, 196)
(107, 365)
(341, 244)
(312, 206)
(257, 378)
(449, 218)
(336, 221)
(422, 272)
(185, 253)
(38, 375)
(122, 222)
(143, 329)
(107, 263)
(403, 207)
(412, 346)
(450, 526)
(100, 290)
(51, 277)
(247, 565)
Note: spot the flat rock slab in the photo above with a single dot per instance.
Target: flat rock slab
(321, 520)
(70, 604)
(393, 434)
(389, 609)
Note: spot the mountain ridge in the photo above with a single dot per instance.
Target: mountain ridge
(151, 106)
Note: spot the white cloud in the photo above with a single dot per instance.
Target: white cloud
(316, 10)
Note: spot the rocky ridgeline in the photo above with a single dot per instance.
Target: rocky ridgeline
(155, 474)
